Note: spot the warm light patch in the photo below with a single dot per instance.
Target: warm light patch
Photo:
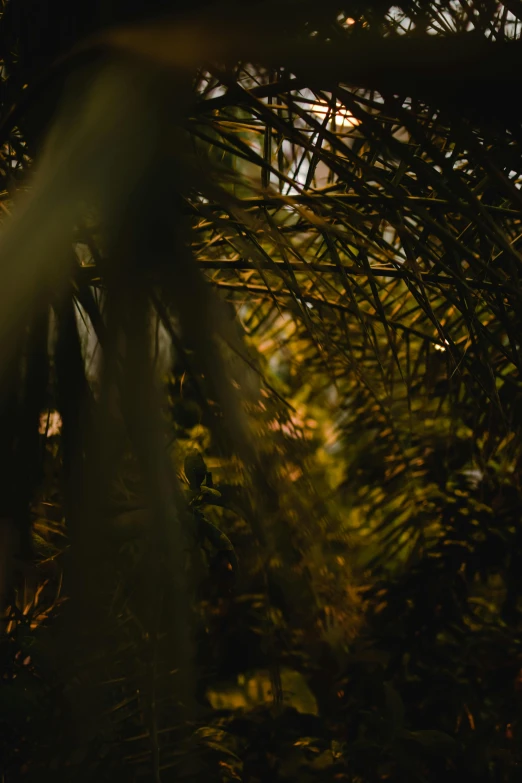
(50, 423)
(346, 21)
(439, 347)
(343, 117)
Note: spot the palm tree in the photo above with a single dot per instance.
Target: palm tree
(322, 201)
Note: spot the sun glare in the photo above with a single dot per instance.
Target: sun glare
(343, 117)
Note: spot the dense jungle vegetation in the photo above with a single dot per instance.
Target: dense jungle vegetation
(260, 403)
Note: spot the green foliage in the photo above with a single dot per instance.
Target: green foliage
(261, 305)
